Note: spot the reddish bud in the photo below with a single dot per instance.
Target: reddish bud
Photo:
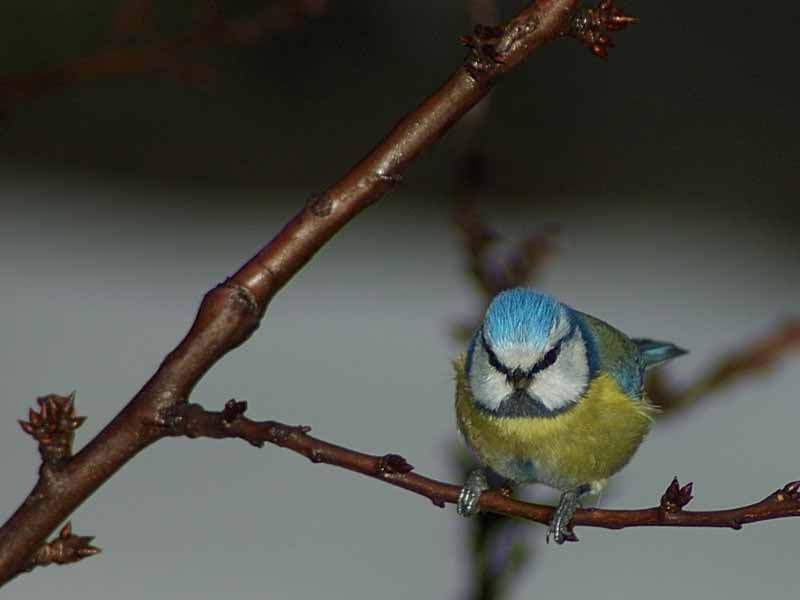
(676, 497)
(53, 426)
(590, 26)
(394, 463)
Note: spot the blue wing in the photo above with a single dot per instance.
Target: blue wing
(623, 358)
(654, 353)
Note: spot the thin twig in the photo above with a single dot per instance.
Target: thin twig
(490, 274)
(172, 54)
(759, 356)
(521, 266)
(194, 421)
(231, 312)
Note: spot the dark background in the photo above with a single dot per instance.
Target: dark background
(698, 99)
(671, 171)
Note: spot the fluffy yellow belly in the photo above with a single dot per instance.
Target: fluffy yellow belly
(586, 444)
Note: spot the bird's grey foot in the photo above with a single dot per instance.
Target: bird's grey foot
(559, 525)
(471, 493)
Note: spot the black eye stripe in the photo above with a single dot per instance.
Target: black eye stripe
(493, 360)
(547, 360)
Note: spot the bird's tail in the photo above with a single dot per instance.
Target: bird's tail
(656, 353)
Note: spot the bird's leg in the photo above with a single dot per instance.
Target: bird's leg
(475, 484)
(559, 525)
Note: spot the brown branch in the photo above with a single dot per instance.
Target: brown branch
(232, 311)
(53, 427)
(171, 54)
(518, 268)
(591, 27)
(759, 356)
(193, 421)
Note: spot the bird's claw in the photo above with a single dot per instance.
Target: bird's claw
(560, 534)
(470, 494)
(559, 527)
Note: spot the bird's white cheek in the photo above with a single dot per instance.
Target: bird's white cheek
(565, 381)
(489, 387)
(555, 389)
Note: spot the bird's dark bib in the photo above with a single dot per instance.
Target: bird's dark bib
(521, 404)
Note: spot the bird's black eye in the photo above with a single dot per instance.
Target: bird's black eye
(548, 359)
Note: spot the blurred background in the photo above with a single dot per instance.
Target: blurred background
(670, 174)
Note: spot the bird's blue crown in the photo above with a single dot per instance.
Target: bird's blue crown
(521, 316)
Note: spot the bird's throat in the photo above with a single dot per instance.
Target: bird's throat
(522, 404)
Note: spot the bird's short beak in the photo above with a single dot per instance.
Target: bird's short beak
(519, 379)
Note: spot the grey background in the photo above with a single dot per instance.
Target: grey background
(672, 171)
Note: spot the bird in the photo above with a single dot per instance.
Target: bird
(548, 394)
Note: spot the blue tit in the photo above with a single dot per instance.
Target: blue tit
(551, 395)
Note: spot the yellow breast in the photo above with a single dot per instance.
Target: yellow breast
(586, 444)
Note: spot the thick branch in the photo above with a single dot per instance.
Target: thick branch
(193, 421)
(231, 312)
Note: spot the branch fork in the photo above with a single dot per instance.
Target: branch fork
(395, 470)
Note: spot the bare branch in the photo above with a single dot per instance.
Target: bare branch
(231, 312)
(491, 274)
(192, 420)
(759, 356)
(518, 268)
(173, 54)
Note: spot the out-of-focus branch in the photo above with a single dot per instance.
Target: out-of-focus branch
(231, 312)
(518, 268)
(498, 550)
(490, 580)
(175, 54)
(492, 274)
(192, 420)
(758, 356)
